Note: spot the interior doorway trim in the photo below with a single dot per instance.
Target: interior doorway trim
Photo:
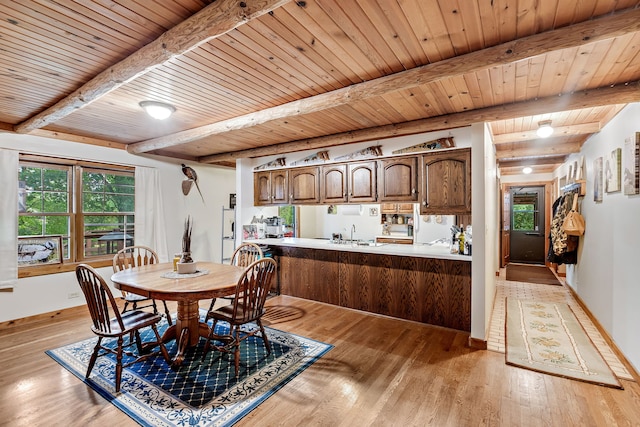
(549, 198)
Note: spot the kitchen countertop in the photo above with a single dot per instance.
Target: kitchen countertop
(438, 250)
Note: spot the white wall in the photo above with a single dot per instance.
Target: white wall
(47, 293)
(607, 274)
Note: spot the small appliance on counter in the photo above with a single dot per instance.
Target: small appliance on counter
(274, 227)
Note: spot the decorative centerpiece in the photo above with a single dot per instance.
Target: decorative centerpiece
(186, 264)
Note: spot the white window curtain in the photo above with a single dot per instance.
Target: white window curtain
(149, 222)
(8, 217)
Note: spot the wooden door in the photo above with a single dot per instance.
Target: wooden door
(262, 188)
(362, 182)
(304, 185)
(399, 179)
(446, 182)
(333, 184)
(279, 187)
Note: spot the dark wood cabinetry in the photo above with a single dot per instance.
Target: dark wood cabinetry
(427, 290)
(446, 182)
(304, 185)
(396, 208)
(270, 187)
(333, 184)
(398, 179)
(362, 182)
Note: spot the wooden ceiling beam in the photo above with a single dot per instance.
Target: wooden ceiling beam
(212, 21)
(530, 135)
(563, 38)
(535, 161)
(539, 151)
(623, 94)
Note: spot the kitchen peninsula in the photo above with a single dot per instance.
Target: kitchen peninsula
(415, 282)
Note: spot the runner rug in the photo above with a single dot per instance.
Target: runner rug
(547, 337)
(531, 274)
(199, 393)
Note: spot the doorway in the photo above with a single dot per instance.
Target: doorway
(527, 217)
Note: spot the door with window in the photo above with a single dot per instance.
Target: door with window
(527, 236)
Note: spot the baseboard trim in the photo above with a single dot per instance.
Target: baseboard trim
(477, 343)
(605, 335)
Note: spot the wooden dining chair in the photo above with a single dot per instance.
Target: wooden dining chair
(134, 256)
(102, 305)
(243, 256)
(248, 306)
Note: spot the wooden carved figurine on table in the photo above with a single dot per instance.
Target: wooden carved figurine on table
(192, 178)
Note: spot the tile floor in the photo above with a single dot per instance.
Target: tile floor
(549, 293)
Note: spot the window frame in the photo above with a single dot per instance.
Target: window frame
(76, 215)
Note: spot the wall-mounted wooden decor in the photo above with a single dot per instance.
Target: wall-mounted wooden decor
(319, 157)
(373, 151)
(631, 165)
(277, 163)
(436, 144)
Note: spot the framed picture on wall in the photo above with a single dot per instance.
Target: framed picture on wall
(612, 171)
(34, 251)
(597, 180)
(631, 165)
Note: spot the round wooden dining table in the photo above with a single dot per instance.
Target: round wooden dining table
(187, 289)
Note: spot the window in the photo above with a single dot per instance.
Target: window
(90, 205)
(525, 212)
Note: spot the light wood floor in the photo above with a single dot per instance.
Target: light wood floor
(382, 372)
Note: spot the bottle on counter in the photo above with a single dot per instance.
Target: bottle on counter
(461, 240)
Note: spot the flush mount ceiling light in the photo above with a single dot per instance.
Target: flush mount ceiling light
(158, 110)
(544, 129)
(527, 170)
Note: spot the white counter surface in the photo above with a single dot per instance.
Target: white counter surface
(439, 250)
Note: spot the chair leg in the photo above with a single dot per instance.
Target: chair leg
(267, 344)
(119, 363)
(236, 353)
(207, 344)
(138, 341)
(155, 307)
(213, 302)
(163, 348)
(167, 312)
(94, 356)
(126, 304)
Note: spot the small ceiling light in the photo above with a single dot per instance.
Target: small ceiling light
(527, 170)
(158, 110)
(544, 129)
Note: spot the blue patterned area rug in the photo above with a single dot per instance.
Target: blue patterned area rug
(199, 393)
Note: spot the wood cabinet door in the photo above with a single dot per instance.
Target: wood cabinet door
(333, 184)
(405, 208)
(262, 188)
(399, 179)
(362, 182)
(304, 185)
(446, 182)
(279, 187)
(388, 208)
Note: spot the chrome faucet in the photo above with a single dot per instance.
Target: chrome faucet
(353, 230)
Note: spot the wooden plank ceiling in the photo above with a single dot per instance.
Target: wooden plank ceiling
(272, 76)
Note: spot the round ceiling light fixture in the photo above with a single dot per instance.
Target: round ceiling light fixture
(157, 110)
(527, 170)
(544, 129)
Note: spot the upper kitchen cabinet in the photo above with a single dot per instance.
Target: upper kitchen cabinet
(446, 182)
(270, 187)
(304, 185)
(399, 180)
(333, 184)
(362, 182)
